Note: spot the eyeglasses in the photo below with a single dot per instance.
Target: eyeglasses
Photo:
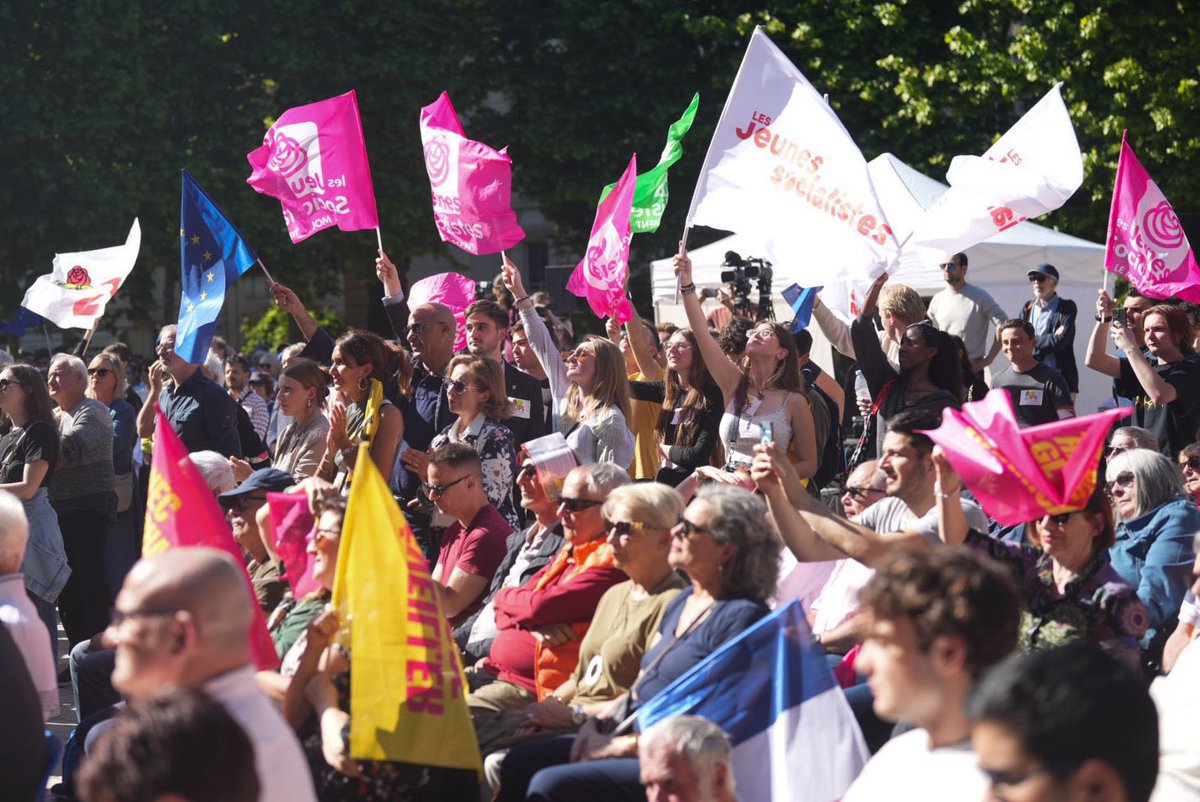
(1038, 279)
(118, 617)
(948, 266)
(326, 534)
(760, 334)
(6, 383)
(685, 529)
(679, 345)
(241, 503)
(440, 490)
(623, 528)
(459, 387)
(578, 355)
(1124, 479)
(417, 328)
(860, 493)
(577, 504)
(1191, 463)
(101, 372)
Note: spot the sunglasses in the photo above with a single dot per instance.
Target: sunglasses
(1191, 463)
(6, 383)
(527, 471)
(417, 328)
(101, 372)
(458, 387)
(577, 504)
(860, 493)
(578, 355)
(440, 490)
(242, 503)
(623, 528)
(1115, 450)
(1038, 279)
(1062, 518)
(948, 266)
(685, 529)
(1124, 479)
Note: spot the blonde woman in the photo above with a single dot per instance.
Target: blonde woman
(590, 387)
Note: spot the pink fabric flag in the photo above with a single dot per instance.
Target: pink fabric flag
(471, 184)
(601, 275)
(1017, 474)
(181, 511)
(314, 161)
(1146, 243)
(453, 290)
(293, 527)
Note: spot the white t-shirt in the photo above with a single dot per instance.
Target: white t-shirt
(1177, 697)
(892, 515)
(967, 313)
(907, 769)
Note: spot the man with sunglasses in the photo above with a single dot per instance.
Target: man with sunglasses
(1053, 319)
(242, 505)
(967, 311)
(541, 623)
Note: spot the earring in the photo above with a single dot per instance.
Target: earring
(364, 383)
(308, 403)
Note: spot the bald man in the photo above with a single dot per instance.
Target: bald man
(183, 618)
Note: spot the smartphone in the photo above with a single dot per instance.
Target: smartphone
(1120, 317)
(768, 432)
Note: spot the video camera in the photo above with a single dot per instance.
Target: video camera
(745, 270)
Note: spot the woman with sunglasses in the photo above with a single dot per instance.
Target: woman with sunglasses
(106, 384)
(475, 390)
(1189, 466)
(1070, 590)
(590, 388)
(1153, 548)
(763, 392)
(726, 545)
(28, 454)
(929, 376)
(362, 364)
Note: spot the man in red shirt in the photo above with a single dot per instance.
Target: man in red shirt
(475, 544)
(541, 623)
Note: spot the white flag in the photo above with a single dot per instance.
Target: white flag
(1031, 170)
(74, 294)
(783, 170)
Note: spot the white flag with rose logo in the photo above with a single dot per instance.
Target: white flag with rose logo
(75, 293)
(600, 276)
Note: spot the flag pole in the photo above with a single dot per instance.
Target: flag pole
(87, 339)
(46, 332)
(682, 244)
(270, 280)
(379, 237)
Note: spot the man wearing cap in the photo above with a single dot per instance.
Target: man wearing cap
(1053, 318)
(243, 503)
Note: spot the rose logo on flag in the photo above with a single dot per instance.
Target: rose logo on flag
(78, 279)
(287, 155)
(603, 262)
(1161, 226)
(437, 161)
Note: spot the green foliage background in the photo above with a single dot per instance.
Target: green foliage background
(105, 101)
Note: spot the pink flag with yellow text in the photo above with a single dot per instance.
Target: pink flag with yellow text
(600, 276)
(1022, 474)
(292, 526)
(1146, 243)
(471, 184)
(181, 511)
(314, 161)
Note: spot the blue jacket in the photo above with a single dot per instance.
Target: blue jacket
(1153, 553)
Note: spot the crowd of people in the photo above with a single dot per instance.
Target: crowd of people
(712, 483)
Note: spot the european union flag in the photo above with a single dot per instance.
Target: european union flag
(21, 320)
(213, 254)
(801, 300)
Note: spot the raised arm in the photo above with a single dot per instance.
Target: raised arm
(1157, 389)
(393, 295)
(952, 522)
(290, 302)
(797, 535)
(145, 418)
(1098, 358)
(836, 330)
(540, 339)
(635, 330)
(726, 374)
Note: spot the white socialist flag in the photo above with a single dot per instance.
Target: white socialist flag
(74, 294)
(1031, 170)
(783, 170)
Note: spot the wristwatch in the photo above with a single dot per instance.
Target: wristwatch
(1100, 319)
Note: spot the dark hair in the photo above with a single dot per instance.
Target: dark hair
(1017, 323)
(239, 360)
(309, 374)
(804, 341)
(1178, 325)
(38, 405)
(1097, 504)
(786, 375)
(907, 422)
(456, 455)
(732, 338)
(495, 311)
(651, 333)
(180, 742)
(120, 350)
(1072, 704)
(698, 379)
(951, 591)
(961, 258)
(365, 347)
(945, 369)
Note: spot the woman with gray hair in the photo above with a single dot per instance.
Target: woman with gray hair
(1155, 524)
(726, 545)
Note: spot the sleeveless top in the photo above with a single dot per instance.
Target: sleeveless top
(740, 433)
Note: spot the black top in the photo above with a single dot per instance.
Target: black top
(686, 458)
(528, 420)
(36, 440)
(1175, 423)
(203, 415)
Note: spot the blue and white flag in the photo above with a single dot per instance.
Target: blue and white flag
(771, 690)
(801, 300)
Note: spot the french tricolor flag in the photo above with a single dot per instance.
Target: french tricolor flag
(773, 693)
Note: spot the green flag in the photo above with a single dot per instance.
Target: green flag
(650, 192)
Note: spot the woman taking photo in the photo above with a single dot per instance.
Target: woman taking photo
(106, 384)
(1069, 589)
(476, 394)
(765, 392)
(1155, 524)
(361, 365)
(590, 388)
(301, 397)
(28, 454)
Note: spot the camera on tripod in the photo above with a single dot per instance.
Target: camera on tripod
(744, 271)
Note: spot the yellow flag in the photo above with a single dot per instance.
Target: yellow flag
(407, 698)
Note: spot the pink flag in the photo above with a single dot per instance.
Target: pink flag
(181, 511)
(1146, 243)
(293, 527)
(314, 160)
(1017, 474)
(471, 183)
(453, 290)
(601, 274)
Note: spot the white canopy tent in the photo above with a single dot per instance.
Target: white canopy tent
(999, 265)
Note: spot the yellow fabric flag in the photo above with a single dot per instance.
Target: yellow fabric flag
(407, 696)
